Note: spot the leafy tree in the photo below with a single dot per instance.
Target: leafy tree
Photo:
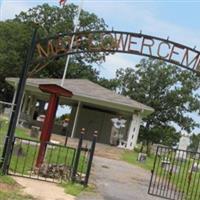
(166, 88)
(15, 37)
(111, 84)
(195, 142)
(54, 20)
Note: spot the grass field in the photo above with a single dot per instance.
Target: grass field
(131, 157)
(25, 162)
(184, 180)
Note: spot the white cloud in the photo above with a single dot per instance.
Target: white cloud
(116, 61)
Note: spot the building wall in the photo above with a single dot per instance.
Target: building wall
(92, 120)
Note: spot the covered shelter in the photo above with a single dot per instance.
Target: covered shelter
(93, 108)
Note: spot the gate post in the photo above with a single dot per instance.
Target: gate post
(13, 120)
(92, 149)
(47, 128)
(77, 158)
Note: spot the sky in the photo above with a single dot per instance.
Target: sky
(178, 20)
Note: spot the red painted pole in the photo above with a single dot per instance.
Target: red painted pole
(47, 128)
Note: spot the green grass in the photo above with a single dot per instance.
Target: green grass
(177, 180)
(131, 157)
(180, 181)
(25, 163)
(10, 190)
(75, 189)
(19, 132)
(14, 195)
(7, 180)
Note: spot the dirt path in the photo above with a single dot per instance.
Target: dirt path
(102, 150)
(43, 190)
(117, 180)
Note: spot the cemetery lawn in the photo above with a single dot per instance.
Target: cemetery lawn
(131, 157)
(25, 163)
(190, 187)
(10, 190)
(75, 189)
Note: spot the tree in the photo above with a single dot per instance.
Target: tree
(14, 40)
(111, 84)
(54, 20)
(166, 88)
(195, 142)
(15, 37)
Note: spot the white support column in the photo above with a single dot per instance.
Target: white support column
(76, 119)
(13, 100)
(34, 100)
(20, 110)
(133, 131)
(25, 103)
(29, 105)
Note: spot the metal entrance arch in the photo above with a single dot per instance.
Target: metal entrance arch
(49, 49)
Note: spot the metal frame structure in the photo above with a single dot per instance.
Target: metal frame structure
(126, 40)
(61, 162)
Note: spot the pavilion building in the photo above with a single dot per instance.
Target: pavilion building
(92, 107)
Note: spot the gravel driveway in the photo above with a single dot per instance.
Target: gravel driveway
(118, 180)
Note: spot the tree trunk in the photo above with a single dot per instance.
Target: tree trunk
(148, 150)
(142, 147)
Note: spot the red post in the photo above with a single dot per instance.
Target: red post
(47, 128)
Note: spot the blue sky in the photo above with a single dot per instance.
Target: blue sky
(177, 19)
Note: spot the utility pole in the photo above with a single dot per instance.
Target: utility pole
(76, 24)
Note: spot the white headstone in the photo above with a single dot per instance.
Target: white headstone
(184, 142)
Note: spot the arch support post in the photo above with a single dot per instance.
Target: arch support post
(47, 128)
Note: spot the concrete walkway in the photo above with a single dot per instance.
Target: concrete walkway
(118, 180)
(42, 190)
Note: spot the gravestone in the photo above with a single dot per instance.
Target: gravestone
(181, 153)
(34, 131)
(142, 157)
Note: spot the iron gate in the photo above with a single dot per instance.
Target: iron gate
(57, 165)
(61, 163)
(176, 174)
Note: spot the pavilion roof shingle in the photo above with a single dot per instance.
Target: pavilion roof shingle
(88, 89)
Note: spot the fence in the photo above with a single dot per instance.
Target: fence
(176, 174)
(5, 112)
(83, 161)
(61, 163)
(56, 166)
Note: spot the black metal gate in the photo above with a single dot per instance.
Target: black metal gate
(61, 163)
(176, 174)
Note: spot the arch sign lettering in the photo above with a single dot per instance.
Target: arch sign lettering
(122, 42)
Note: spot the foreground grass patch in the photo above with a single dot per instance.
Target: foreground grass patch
(75, 189)
(10, 190)
(7, 180)
(14, 195)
